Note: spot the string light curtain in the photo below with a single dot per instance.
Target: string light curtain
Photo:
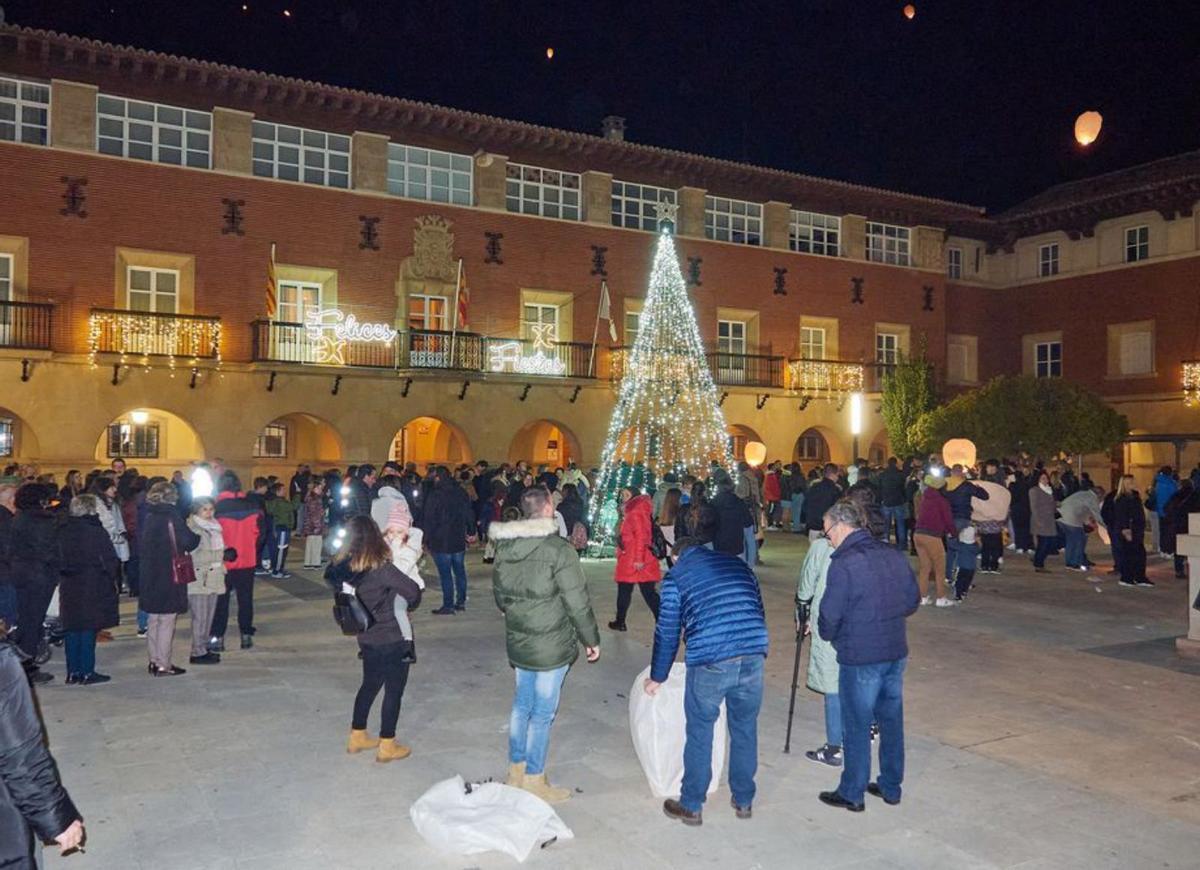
(667, 417)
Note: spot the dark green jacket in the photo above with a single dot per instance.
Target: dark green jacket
(542, 592)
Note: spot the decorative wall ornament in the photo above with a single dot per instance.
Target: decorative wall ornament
(693, 271)
(928, 304)
(233, 217)
(856, 291)
(74, 196)
(600, 261)
(492, 248)
(780, 281)
(433, 249)
(330, 331)
(369, 230)
(835, 379)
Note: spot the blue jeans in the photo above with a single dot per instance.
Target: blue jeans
(898, 515)
(960, 523)
(798, 512)
(739, 683)
(535, 704)
(452, 572)
(8, 604)
(749, 546)
(834, 733)
(1045, 543)
(80, 649)
(283, 538)
(1076, 545)
(872, 693)
(143, 620)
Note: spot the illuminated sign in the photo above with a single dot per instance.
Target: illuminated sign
(507, 357)
(330, 331)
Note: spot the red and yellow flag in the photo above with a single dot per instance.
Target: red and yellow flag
(464, 296)
(272, 288)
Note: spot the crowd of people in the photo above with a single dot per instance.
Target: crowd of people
(689, 545)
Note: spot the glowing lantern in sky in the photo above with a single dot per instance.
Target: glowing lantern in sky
(910, 11)
(959, 451)
(549, 54)
(1087, 127)
(756, 452)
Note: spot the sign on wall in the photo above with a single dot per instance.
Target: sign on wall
(330, 330)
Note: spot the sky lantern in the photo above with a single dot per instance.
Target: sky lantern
(1087, 127)
(910, 11)
(549, 54)
(756, 452)
(959, 451)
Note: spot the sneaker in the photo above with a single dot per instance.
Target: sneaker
(1144, 582)
(216, 644)
(262, 572)
(1124, 582)
(946, 602)
(280, 575)
(444, 611)
(928, 599)
(1012, 547)
(874, 731)
(829, 755)
(142, 632)
(93, 678)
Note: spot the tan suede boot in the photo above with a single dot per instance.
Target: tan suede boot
(390, 750)
(538, 785)
(360, 740)
(516, 775)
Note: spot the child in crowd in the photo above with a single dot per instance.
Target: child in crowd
(406, 553)
(968, 552)
(283, 520)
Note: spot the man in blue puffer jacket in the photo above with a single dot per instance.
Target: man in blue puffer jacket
(869, 592)
(714, 599)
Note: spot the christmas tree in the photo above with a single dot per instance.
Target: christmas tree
(667, 417)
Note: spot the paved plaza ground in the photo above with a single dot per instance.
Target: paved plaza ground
(1049, 725)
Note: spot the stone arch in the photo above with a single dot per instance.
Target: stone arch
(429, 440)
(18, 442)
(307, 439)
(739, 435)
(544, 442)
(173, 441)
(879, 449)
(831, 449)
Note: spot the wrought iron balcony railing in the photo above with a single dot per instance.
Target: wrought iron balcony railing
(728, 369)
(26, 325)
(149, 334)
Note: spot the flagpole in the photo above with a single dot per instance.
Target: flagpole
(596, 326)
(454, 328)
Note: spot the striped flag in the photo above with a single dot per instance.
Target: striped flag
(272, 288)
(464, 296)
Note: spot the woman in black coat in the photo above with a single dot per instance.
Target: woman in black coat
(571, 507)
(160, 595)
(1129, 521)
(34, 563)
(87, 592)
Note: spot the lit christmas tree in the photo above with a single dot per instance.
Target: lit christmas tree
(667, 417)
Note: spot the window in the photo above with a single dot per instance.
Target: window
(422, 173)
(155, 290)
(737, 446)
(271, 443)
(731, 337)
(1131, 348)
(733, 220)
(6, 277)
(632, 321)
(1048, 359)
(953, 262)
(812, 342)
(811, 446)
(545, 192)
(428, 312)
(6, 436)
(535, 313)
(24, 112)
(133, 440)
(887, 348)
(1048, 260)
(962, 359)
(813, 233)
(296, 154)
(887, 244)
(151, 131)
(1137, 244)
(634, 205)
(296, 299)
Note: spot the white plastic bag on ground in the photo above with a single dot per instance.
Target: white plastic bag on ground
(659, 731)
(492, 818)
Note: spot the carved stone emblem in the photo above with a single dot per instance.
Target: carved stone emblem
(433, 250)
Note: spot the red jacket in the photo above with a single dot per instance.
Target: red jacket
(771, 490)
(933, 514)
(242, 527)
(635, 544)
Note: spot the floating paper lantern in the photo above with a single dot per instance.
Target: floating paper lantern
(959, 451)
(910, 11)
(549, 54)
(756, 453)
(1087, 127)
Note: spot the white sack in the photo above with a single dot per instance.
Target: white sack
(493, 817)
(659, 731)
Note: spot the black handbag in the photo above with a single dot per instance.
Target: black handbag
(351, 614)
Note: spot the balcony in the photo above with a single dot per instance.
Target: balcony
(728, 369)
(421, 349)
(148, 334)
(25, 325)
(825, 378)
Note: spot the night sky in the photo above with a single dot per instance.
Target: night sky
(972, 101)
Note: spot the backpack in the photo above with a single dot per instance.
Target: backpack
(658, 542)
(351, 614)
(579, 536)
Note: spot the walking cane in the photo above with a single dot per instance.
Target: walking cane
(803, 609)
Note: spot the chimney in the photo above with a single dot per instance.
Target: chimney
(612, 128)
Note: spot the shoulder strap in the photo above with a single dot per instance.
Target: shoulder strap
(171, 535)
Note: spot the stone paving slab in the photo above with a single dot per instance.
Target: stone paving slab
(1023, 749)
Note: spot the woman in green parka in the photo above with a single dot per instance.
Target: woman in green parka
(822, 658)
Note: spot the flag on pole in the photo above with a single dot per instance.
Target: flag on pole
(605, 313)
(272, 289)
(464, 296)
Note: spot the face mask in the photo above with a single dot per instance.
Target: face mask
(1045, 487)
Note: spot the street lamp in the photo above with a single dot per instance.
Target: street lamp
(856, 422)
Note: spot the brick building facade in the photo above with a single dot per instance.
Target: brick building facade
(141, 195)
